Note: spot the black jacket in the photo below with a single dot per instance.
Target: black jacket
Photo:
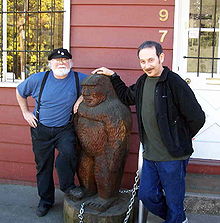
(178, 113)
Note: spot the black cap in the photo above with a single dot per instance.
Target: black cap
(59, 53)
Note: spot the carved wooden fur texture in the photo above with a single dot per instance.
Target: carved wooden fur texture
(103, 127)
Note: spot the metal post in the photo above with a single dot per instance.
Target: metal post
(142, 212)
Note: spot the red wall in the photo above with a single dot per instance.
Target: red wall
(103, 33)
(108, 32)
(16, 158)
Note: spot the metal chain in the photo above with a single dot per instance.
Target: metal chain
(133, 194)
(131, 202)
(125, 191)
(81, 212)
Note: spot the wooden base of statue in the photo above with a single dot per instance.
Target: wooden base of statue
(115, 214)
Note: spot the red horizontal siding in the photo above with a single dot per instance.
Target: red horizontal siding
(123, 2)
(128, 180)
(7, 96)
(20, 172)
(103, 33)
(131, 163)
(125, 16)
(16, 153)
(17, 159)
(116, 37)
(15, 134)
(134, 143)
(11, 114)
(107, 33)
(17, 171)
(112, 58)
(128, 76)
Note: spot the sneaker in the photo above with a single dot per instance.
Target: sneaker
(42, 210)
(186, 221)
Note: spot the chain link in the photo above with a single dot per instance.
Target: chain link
(81, 212)
(133, 194)
(127, 191)
(131, 202)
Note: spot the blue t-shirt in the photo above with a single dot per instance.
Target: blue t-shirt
(57, 98)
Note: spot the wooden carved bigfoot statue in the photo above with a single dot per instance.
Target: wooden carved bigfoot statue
(103, 126)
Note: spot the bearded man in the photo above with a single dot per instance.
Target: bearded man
(55, 93)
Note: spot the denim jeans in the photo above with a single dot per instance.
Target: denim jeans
(162, 189)
(45, 140)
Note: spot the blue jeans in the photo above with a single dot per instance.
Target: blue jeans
(162, 189)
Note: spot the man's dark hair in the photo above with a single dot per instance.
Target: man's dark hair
(149, 44)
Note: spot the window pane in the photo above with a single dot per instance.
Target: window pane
(205, 66)
(203, 38)
(34, 28)
(194, 14)
(206, 44)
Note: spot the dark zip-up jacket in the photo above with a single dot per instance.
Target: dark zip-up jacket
(178, 113)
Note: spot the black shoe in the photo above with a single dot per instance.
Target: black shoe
(42, 210)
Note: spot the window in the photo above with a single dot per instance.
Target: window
(203, 37)
(197, 59)
(30, 30)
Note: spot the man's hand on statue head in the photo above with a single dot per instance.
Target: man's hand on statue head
(104, 71)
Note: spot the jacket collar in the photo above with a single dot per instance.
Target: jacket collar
(164, 74)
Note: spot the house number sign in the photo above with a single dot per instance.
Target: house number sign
(163, 17)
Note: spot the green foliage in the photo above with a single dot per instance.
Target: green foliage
(32, 32)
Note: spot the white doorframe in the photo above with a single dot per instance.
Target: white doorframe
(66, 24)
(207, 141)
(180, 35)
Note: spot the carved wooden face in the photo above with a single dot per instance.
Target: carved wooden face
(93, 94)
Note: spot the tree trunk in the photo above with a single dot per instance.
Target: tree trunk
(114, 214)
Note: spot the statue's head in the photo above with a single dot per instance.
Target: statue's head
(95, 89)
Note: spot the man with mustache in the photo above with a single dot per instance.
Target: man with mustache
(55, 93)
(168, 117)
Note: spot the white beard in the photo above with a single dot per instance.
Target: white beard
(61, 72)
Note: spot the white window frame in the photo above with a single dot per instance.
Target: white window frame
(180, 44)
(7, 81)
(179, 36)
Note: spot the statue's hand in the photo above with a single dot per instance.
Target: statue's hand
(104, 71)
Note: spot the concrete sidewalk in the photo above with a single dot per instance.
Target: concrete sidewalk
(18, 204)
